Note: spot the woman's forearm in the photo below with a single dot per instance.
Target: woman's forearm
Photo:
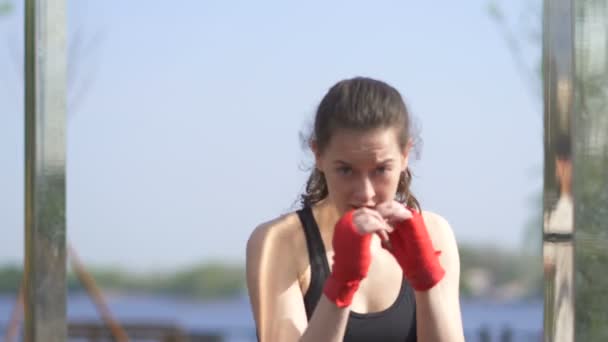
(328, 323)
(435, 321)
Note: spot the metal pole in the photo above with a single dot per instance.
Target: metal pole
(45, 109)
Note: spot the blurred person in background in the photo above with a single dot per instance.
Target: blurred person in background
(558, 255)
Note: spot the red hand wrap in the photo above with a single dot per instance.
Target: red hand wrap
(352, 257)
(414, 251)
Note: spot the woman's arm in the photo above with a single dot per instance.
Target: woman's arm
(425, 248)
(438, 314)
(275, 294)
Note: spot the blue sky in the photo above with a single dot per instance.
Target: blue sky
(187, 137)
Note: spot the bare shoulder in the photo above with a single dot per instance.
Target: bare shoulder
(278, 235)
(440, 230)
(443, 238)
(272, 277)
(279, 242)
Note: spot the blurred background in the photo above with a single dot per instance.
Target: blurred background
(184, 124)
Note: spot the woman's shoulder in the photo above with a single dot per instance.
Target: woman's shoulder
(436, 221)
(281, 234)
(440, 230)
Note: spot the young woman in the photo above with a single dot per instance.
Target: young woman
(360, 261)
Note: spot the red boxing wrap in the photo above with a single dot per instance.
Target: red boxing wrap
(352, 258)
(412, 247)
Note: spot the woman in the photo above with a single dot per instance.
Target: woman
(359, 261)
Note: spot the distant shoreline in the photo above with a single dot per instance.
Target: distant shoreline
(486, 272)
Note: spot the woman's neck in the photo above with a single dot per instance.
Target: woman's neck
(326, 214)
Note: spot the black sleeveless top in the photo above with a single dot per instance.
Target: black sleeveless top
(396, 323)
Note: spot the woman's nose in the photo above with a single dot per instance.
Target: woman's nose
(364, 193)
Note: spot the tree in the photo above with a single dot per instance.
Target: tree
(6, 7)
(84, 42)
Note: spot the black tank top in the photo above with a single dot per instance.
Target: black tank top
(397, 323)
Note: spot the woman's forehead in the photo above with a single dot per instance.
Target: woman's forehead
(369, 146)
(369, 141)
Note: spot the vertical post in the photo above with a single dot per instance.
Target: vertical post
(590, 162)
(558, 228)
(45, 107)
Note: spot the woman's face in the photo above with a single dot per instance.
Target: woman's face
(362, 168)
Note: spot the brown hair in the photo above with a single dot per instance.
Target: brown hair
(359, 103)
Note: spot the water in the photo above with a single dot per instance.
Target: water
(233, 316)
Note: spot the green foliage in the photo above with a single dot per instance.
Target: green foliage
(591, 279)
(503, 268)
(10, 278)
(202, 281)
(215, 280)
(494, 11)
(590, 178)
(6, 7)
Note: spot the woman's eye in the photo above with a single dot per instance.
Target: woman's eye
(381, 169)
(344, 170)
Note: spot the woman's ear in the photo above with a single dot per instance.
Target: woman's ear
(405, 154)
(315, 151)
